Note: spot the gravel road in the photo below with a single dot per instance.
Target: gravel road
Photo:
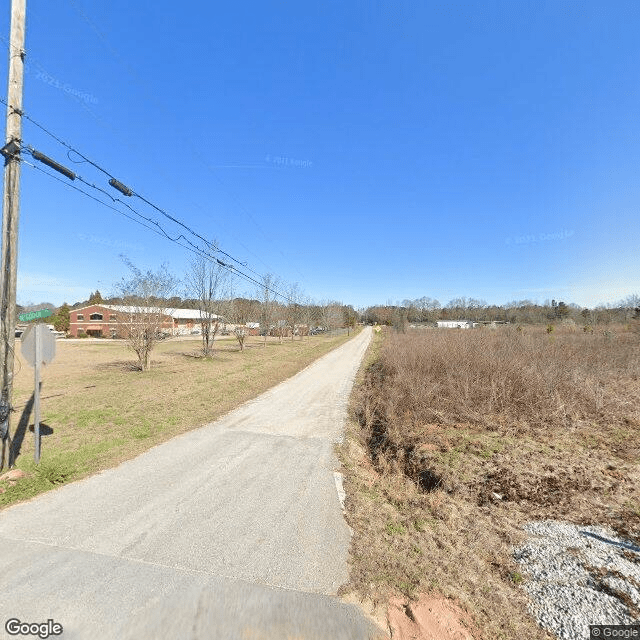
(233, 530)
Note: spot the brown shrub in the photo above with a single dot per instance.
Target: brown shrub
(470, 434)
(491, 378)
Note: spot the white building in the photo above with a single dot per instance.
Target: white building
(456, 324)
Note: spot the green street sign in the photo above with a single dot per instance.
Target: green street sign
(34, 315)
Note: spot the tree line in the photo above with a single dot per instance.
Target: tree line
(428, 310)
(265, 308)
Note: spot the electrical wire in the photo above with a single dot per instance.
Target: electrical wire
(157, 228)
(105, 125)
(195, 248)
(192, 148)
(111, 176)
(141, 82)
(71, 186)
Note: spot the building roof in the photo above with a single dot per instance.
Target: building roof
(186, 314)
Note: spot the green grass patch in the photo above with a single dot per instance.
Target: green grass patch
(516, 577)
(395, 528)
(57, 471)
(140, 431)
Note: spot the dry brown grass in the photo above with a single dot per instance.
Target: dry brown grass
(99, 410)
(462, 436)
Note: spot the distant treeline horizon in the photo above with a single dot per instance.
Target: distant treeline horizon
(518, 311)
(423, 310)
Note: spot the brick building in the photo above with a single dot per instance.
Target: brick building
(107, 320)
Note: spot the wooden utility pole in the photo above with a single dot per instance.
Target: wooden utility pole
(10, 216)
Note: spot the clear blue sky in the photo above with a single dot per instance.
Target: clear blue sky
(370, 151)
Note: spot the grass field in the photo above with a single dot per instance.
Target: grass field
(446, 420)
(98, 410)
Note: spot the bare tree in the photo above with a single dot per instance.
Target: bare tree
(280, 326)
(266, 296)
(145, 319)
(350, 318)
(245, 310)
(399, 319)
(457, 308)
(629, 307)
(310, 315)
(332, 316)
(241, 334)
(293, 309)
(209, 282)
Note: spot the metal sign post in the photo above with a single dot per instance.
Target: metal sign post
(38, 347)
(36, 398)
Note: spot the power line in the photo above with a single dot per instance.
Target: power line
(158, 228)
(102, 123)
(67, 184)
(113, 180)
(122, 60)
(159, 209)
(160, 232)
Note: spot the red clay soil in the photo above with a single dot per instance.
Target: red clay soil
(430, 618)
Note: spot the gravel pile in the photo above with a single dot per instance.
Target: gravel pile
(578, 575)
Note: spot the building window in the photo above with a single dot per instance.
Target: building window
(112, 318)
(95, 316)
(80, 317)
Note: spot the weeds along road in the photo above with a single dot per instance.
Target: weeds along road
(233, 530)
